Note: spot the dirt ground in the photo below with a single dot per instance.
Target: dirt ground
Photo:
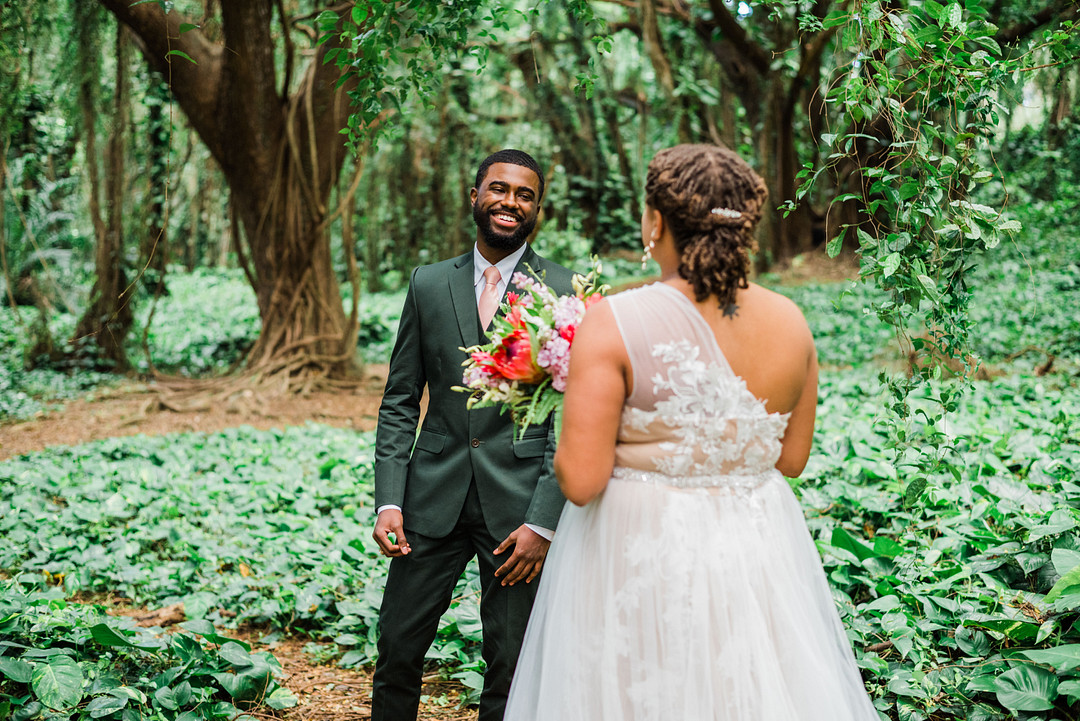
(130, 410)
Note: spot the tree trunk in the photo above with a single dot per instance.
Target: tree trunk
(9, 292)
(154, 250)
(108, 318)
(281, 157)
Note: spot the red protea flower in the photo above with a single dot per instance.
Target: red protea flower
(482, 358)
(513, 359)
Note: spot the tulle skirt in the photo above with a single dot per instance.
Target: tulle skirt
(686, 604)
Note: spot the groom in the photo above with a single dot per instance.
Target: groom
(466, 485)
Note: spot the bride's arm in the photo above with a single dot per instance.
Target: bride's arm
(800, 429)
(595, 390)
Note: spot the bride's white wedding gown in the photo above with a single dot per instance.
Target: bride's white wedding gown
(690, 590)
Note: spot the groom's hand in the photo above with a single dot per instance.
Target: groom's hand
(390, 521)
(524, 564)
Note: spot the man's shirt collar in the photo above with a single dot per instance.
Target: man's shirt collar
(506, 265)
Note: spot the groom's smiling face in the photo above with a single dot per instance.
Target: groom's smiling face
(506, 204)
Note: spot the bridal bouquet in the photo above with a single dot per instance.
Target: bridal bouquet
(523, 368)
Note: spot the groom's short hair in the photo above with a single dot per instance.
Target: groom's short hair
(514, 157)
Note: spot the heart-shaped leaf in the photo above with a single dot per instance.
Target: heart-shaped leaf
(58, 683)
(1026, 688)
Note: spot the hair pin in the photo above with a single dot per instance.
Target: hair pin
(726, 212)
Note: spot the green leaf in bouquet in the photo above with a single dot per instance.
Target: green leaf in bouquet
(545, 399)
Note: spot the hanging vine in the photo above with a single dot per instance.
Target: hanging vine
(915, 111)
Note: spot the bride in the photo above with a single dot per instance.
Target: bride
(682, 584)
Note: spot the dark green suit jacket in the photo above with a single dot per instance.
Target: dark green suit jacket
(429, 480)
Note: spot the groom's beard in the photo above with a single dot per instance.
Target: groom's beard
(498, 239)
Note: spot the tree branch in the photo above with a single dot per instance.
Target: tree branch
(194, 85)
(1057, 10)
(654, 46)
(734, 33)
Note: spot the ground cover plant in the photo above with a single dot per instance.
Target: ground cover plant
(63, 660)
(26, 390)
(961, 594)
(244, 526)
(964, 605)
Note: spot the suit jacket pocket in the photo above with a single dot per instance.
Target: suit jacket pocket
(430, 441)
(530, 446)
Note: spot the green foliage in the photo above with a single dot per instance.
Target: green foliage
(1023, 303)
(274, 528)
(1021, 310)
(244, 526)
(390, 50)
(26, 392)
(959, 588)
(205, 324)
(923, 86)
(210, 319)
(72, 661)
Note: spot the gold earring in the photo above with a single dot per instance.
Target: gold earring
(648, 254)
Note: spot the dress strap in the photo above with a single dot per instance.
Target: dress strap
(653, 315)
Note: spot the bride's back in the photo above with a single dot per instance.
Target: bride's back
(766, 342)
(688, 412)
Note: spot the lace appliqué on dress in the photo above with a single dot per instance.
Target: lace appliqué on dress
(719, 427)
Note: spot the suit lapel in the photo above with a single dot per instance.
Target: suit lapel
(463, 295)
(463, 292)
(530, 259)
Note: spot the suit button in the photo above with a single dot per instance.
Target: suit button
(475, 442)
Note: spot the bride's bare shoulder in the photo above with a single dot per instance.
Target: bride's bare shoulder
(780, 312)
(770, 301)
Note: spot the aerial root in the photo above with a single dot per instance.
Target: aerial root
(247, 391)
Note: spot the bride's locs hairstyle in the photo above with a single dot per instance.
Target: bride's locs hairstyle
(712, 201)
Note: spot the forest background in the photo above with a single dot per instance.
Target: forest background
(216, 204)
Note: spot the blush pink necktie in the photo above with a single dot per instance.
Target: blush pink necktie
(489, 296)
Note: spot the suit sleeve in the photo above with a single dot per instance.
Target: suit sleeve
(399, 413)
(547, 500)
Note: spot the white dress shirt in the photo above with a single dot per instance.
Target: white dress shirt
(506, 269)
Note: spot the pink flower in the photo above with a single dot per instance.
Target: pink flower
(567, 332)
